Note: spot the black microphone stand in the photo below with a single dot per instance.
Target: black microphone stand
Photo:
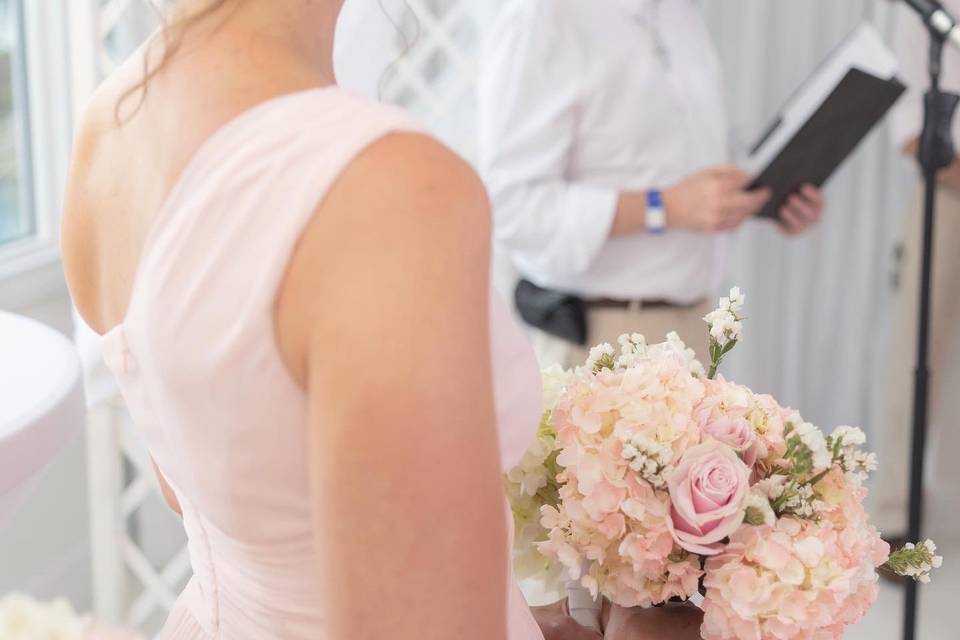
(936, 152)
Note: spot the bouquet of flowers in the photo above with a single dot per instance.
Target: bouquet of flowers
(22, 618)
(653, 480)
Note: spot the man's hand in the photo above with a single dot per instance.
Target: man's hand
(802, 210)
(712, 200)
(556, 624)
(658, 623)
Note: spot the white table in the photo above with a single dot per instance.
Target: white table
(41, 404)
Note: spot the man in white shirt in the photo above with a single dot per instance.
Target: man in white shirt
(603, 139)
(896, 409)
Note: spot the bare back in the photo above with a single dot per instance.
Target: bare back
(130, 149)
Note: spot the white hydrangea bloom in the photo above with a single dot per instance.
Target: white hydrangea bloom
(724, 326)
(759, 508)
(813, 438)
(856, 464)
(633, 348)
(696, 367)
(22, 618)
(725, 321)
(788, 496)
(555, 381)
(772, 487)
(915, 561)
(632, 343)
(935, 561)
(802, 501)
(529, 563)
(598, 353)
(921, 571)
(648, 458)
(851, 436)
(736, 300)
(530, 474)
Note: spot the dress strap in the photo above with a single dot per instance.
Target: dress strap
(232, 224)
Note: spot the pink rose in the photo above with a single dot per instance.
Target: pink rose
(723, 415)
(732, 431)
(708, 491)
(735, 432)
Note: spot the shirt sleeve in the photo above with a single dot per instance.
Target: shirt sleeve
(529, 91)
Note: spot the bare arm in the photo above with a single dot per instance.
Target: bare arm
(709, 201)
(384, 315)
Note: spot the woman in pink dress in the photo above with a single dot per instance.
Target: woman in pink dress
(292, 284)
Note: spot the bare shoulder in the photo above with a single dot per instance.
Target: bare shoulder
(103, 111)
(405, 227)
(89, 188)
(96, 121)
(414, 170)
(78, 238)
(408, 186)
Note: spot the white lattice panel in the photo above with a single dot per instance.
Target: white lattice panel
(434, 75)
(139, 558)
(140, 561)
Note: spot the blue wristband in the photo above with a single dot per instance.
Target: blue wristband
(656, 218)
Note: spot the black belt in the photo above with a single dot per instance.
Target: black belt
(565, 315)
(609, 303)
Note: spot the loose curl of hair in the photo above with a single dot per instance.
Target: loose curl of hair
(171, 33)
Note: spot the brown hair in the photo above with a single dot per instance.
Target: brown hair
(172, 36)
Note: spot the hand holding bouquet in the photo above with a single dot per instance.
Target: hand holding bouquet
(653, 481)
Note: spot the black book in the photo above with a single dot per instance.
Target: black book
(827, 118)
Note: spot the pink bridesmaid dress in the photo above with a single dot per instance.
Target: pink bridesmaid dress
(199, 368)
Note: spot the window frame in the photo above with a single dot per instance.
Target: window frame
(30, 268)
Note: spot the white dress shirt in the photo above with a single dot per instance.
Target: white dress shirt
(912, 49)
(579, 101)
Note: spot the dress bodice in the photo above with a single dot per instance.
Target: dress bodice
(198, 365)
